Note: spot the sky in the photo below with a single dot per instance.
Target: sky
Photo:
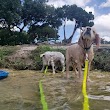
(100, 9)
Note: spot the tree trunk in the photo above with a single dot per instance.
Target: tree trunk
(71, 37)
(64, 29)
(69, 40)
(21, 30)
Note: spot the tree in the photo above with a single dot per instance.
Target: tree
(52, 17)
(36, 12)
(9, 10)
(27, 13)
(43, 33)
(77, 14)
(21, 13)
(103, 41)
(48, 26)
(62, 14)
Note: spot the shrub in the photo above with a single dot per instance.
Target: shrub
(4, 52)
(20, 65)
(2, 63)
(13, 37)
(102, 60)
(41, 49)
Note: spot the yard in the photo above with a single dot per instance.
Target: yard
(20, 91)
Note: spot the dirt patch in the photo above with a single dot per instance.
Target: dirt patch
(21, 58)
(23, 52)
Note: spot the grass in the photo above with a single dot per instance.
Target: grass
(101, 60)
(20, 90)
(6, 51)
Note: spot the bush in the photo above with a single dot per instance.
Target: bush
(20, 65)
(41, 49)
(5, 51)
(13, 37)
(102, 60)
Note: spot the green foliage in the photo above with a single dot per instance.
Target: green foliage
(20, 65)
(77, 14)
(102, 60)
(43, 33)
(4, 52)
(41, 49)
(36, 56)
(27, 13)
(13, 38)
(9, 11)
(2, 62)
(73, 12)
(52, 17)
(32, 13)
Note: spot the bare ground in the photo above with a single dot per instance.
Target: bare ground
(23, 51)
(22, 54)
(20, 91)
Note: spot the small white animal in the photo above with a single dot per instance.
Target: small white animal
(51, 58)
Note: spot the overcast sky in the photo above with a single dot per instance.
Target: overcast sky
(100, 9)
